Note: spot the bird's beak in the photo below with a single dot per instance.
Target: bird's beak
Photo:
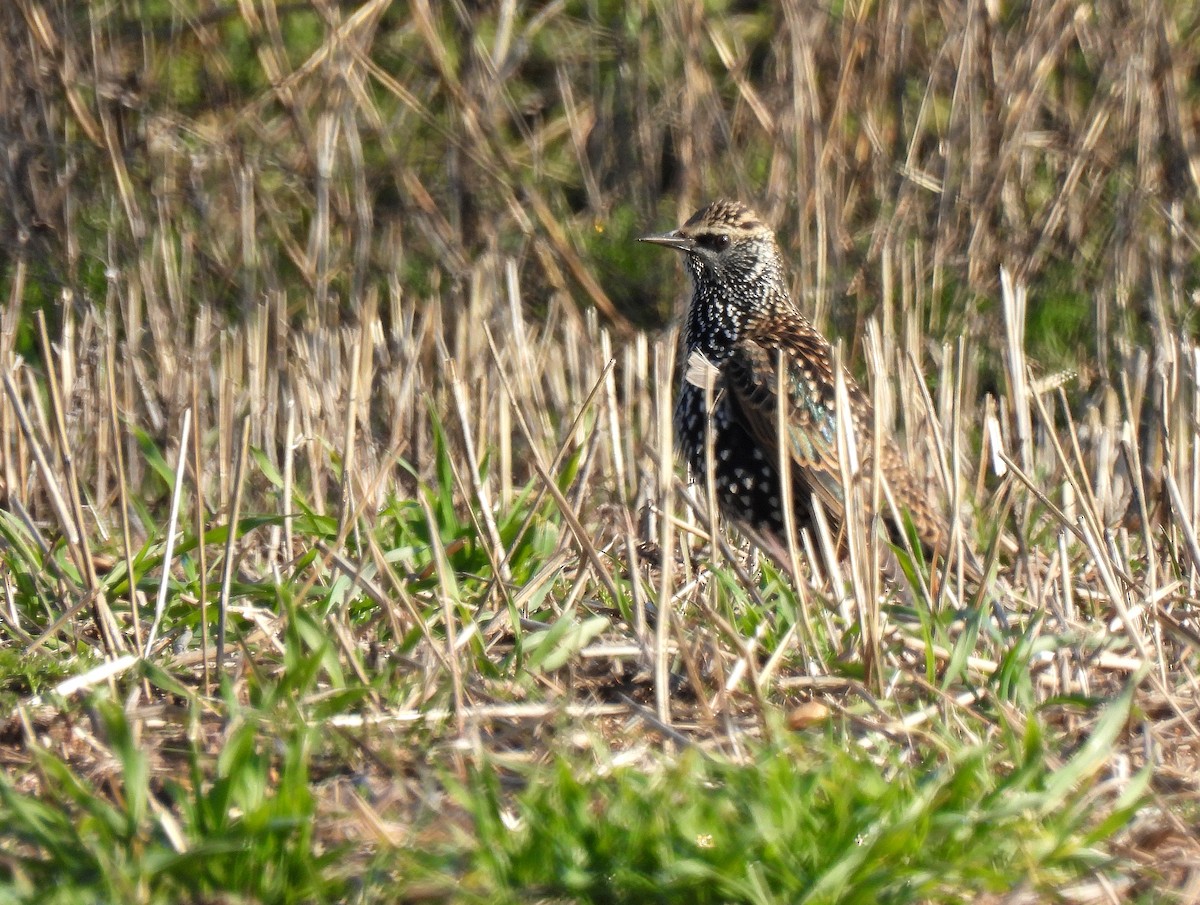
(671, 240)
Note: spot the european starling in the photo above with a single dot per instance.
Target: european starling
(741, 325)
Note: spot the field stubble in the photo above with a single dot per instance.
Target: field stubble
(360, 286)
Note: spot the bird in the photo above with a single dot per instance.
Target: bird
(741, 326)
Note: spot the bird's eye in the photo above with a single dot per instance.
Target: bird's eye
(713, 241)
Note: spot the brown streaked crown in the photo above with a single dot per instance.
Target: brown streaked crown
(728, 215)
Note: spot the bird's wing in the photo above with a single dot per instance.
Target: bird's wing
(811, 432)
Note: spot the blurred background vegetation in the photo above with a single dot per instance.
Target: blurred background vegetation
(322, 149)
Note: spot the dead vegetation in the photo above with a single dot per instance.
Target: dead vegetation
(358, 280)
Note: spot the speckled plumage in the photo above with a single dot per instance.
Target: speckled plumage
(741, 322)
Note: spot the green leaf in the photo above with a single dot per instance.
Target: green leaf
(551, 649)
(268, 470)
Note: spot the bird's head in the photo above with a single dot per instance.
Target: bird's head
(725, 242)
(736, 272)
